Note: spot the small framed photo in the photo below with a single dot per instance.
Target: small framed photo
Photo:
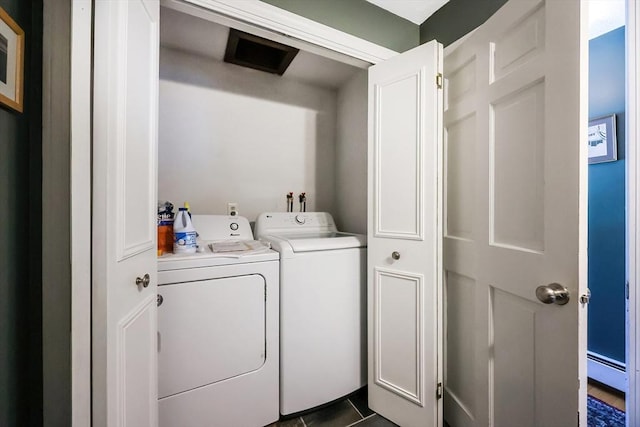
(11, 62)
(603, 146)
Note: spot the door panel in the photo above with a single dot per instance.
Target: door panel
(398, 195)
(124, 288)
(459, 355)
(399, 357)
(460, 154)
(138, 130)
(516, 203)
(136, 347)
(516, 173)
(405, 235)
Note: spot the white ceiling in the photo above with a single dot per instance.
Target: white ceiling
(416, 11)
(605, 15)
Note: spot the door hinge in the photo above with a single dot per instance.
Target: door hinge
(439, 391)
(586, 297)
(626, 290)
(439, 80)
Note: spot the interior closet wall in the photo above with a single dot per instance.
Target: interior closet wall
(351, 156)
(232, 134)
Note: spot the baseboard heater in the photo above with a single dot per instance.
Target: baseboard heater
(607, 371)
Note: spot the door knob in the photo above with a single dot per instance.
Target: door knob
(553, 293)
(395, 255)
(144, 281)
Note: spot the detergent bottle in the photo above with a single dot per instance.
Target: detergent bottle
(184, 235)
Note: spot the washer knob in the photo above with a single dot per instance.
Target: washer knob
(300, 219)
(234, 226)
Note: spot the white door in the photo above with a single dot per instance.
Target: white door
(125, 73)
(515, 189)
(404, 237)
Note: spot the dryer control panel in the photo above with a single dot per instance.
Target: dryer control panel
(222, 227)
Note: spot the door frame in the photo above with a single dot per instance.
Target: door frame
(280, 21)
(261, 15)
(66, 197)
(633, 211)
(81, 217)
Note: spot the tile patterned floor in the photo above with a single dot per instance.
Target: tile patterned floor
(354, 411)
(351, 411)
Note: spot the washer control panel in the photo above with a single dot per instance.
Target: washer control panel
(283, 222)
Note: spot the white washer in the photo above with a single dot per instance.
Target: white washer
(218, 356)
(322, 308)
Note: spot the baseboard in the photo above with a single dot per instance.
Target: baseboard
(607, 371)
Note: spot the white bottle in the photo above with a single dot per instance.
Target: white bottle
(184, 235)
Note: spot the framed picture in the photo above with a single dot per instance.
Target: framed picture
(603, 146)
(11, 62)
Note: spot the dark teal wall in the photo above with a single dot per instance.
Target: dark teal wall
(607, 202)
(20, 235)
(456, 18)
(359, 18)
(362, 19)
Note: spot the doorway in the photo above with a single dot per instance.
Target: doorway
(607, 206)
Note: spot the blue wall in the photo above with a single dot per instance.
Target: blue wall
(607, 202)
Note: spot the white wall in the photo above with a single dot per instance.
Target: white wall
(232, 134)
(351, 155)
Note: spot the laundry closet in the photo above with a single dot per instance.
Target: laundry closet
(236, 331)
(231, 134)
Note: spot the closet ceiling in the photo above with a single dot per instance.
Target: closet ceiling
(209, 39)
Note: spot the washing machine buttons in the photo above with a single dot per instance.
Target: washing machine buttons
(233, 226)
(300, 219)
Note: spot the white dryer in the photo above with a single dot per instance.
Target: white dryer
(323, 307)
(218, 354)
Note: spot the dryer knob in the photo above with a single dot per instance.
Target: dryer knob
(300, 219)
(234, 226)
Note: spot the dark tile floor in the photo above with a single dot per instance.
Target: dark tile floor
(350, 411)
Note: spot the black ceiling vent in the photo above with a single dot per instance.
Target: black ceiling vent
(258, 53)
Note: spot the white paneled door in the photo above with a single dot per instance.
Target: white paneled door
(405, 236)
(515, 185)
(125, 97)
(514, 232)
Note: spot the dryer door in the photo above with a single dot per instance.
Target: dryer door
(210, 330)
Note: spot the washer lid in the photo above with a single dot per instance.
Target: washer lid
(322, 241)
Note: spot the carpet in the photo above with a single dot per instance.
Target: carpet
(600, 414)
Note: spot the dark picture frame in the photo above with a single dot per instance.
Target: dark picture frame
(603, 145)
(11, 63)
